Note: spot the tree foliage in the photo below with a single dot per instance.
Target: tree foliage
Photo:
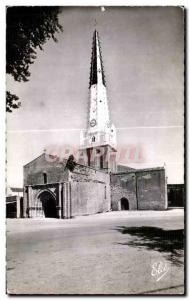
(71, 163)
(11, 102)
(28, 28)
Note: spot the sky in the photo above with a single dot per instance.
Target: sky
(143, 57)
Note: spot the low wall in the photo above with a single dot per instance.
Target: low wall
(90, 191)
(123, 186)
(89, 197)
(151, 190)
(144, 189)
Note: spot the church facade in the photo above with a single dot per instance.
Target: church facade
(94, 183)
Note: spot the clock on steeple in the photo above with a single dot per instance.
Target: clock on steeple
(93, 123)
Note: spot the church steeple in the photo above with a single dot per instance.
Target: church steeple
(96, 70)
(100, 131)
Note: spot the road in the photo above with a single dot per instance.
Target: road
(128, 252)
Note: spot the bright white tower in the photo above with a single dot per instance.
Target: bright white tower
(100, 133)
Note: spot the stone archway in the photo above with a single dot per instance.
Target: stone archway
(48, 204)
(124, 204)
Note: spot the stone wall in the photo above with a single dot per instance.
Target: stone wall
(90, 191)
(34, 171)
(80, 192)
(86, 191)
(123, 186)
(82, 172)
(144, 189)
(151, 189)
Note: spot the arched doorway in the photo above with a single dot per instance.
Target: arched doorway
(124, 204)
(48, 204)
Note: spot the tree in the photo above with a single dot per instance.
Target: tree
(71, 163)
(28, 28)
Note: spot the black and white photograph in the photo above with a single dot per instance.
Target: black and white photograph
(95, 133)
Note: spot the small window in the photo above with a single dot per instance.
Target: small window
(45, 177)
(93, 139)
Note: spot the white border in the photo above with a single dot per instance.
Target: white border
(3, 4)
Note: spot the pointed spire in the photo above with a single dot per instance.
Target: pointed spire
(96, 70)
(100, 131)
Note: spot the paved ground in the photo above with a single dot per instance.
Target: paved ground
(111, 253)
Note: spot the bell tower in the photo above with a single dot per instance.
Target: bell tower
(99, 140)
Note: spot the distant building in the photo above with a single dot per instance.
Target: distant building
(14, 191)
(14, 202)
(176, 195)
(95, 183)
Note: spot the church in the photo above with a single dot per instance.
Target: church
(94, 183)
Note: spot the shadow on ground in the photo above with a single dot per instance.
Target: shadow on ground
(154, 238)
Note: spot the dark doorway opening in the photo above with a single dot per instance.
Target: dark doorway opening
(101, 162)
(11, 209)
(48, 204)
(124, 204)
(21, 208)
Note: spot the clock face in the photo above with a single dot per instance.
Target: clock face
(92, 122)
